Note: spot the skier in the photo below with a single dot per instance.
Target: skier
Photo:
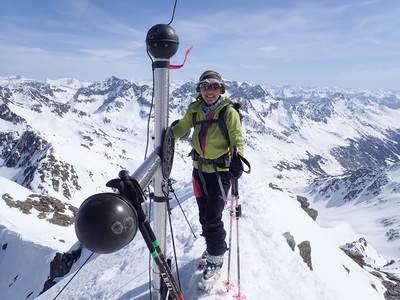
(211, 155)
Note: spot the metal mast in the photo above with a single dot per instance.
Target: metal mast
(107, 222)
(162, 43)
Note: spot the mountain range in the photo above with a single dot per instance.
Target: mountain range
(331, 154)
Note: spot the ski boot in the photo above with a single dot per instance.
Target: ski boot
(211, 273)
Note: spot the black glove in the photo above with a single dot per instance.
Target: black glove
(236, 166)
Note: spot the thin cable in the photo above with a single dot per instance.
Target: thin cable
(151, 109)
(183, 212)
(150, 277)
(73, 276)
(172, 238)
(145, 156)
(173, 12)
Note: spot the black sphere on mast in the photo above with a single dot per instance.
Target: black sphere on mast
(162, 41)
(105, 223)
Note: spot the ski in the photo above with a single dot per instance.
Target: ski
(209, 288)
(206, 289)
(206, 285)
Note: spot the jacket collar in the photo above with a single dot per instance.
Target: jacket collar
(212, 107)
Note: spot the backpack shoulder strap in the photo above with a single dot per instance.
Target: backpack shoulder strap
(222, 121)
(194, 119)
(195, 122)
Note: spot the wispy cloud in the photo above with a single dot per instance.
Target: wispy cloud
(109, 55)
(380, 79)
(262, 37)
(307, 31)
(268, 49)
(89, 16)
(93, 65)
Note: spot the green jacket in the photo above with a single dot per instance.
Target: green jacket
(213, 144)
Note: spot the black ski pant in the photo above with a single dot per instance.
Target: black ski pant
(211, 205)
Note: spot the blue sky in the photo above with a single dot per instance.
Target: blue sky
(304, 43)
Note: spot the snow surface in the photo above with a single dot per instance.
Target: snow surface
(269, 268)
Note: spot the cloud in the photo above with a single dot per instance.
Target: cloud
(268, 49)
(287, 38)
(89, 16)
(306, 30)
(379, 79)
(94, 65)
(109, 55)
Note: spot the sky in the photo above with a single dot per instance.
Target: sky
(350, 44)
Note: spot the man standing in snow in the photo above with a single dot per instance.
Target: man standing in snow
(211, 155)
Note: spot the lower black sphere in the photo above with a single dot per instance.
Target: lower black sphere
(105, 223)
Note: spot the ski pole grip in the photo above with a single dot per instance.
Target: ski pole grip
(235, 187)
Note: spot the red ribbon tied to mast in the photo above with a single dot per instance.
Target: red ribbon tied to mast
(174, 67)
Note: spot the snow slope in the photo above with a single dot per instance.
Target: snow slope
(270, 269)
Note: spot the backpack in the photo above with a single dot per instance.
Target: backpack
(221, 118)
(236, 162)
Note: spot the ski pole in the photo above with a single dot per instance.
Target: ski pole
(236, 169)
(228, 283)
(131, 190)
(159, 258)
(238, 296)
(238, 214)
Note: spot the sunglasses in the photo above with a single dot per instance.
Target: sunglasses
(208, 86)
